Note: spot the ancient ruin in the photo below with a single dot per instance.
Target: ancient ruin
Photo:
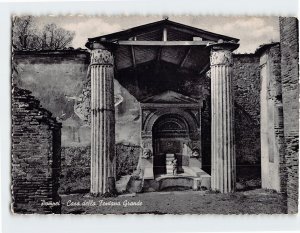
(159, 106)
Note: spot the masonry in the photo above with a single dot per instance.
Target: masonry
(279, 106)
(36, 140)
(290, 97)
(265, 86)
(246, 85)
(49, 70)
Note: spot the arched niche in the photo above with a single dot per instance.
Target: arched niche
(171, 118)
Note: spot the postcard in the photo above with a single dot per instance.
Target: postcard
(154, 114)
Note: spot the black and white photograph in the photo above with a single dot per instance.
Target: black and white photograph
(156, 114)
(136, 116)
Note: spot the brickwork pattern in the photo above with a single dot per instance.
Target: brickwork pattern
(35, 155)
(275, 93)
(290, 94)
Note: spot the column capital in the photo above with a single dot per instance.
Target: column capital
(101, 55)
(221, 57)
(221, 53)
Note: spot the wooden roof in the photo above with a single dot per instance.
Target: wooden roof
(170, 97)
(152, 32)
(162, 41)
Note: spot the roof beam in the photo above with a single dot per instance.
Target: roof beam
(201, 33)
(133, 56)
(163, 43)
(158, 58)
(185, 57)
(165, 35)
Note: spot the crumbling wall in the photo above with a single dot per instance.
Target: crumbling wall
(290, 96)
(36, 144)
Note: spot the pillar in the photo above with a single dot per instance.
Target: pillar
(223, 175)
(103, 161)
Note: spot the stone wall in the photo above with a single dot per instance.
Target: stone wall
(35, 155)
(246, 86)
(75, 166)
(75, 169)
(272, 132)
(290, 96)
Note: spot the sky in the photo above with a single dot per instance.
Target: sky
(252, 31)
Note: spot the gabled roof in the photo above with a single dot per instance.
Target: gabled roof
(170, 97)
(182, 28)
(161, 42)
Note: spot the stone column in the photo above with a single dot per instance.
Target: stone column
(223, 174)
(103, 161)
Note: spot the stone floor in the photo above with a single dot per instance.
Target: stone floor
(257, 201)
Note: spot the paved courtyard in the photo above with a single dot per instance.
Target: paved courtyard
(257, 201)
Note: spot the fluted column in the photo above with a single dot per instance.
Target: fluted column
(223, 174)
(103, 162)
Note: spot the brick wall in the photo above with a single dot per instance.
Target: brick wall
(290, 96)
(35, 155)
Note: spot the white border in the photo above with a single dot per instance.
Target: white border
(129, 223)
